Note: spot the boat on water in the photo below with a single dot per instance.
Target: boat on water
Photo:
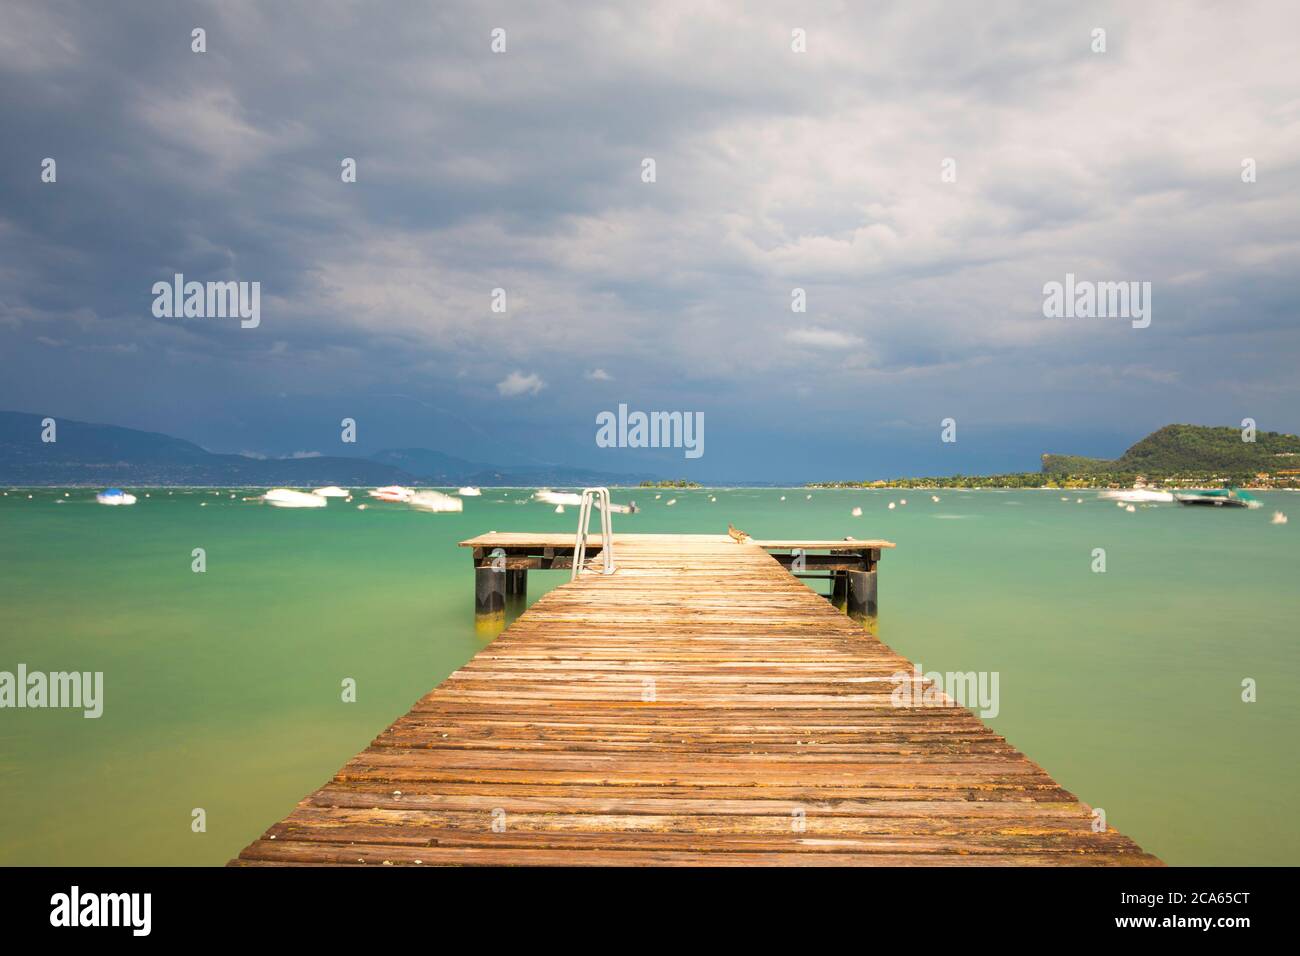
(435, 501)
(469, 492)
(114, 496)
(1219, 498)
(393, 493)
(288, 498)
(331, 491)
(562, 498)
(1137, 496)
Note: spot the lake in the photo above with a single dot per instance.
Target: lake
(222, 689)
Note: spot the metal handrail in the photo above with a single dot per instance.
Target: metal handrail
(601, 496)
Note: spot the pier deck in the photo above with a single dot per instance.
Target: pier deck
(698, 707)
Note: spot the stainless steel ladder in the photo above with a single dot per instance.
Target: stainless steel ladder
(601, 497)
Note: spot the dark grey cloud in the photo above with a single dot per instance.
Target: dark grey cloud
(775, 170)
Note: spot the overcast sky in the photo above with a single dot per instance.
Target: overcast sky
(775, 170)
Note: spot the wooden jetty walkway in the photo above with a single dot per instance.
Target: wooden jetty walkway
(700, 706)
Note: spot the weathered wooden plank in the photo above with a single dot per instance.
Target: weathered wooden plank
(346, 854)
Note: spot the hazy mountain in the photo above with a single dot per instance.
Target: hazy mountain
(437, 468)
(93, 454)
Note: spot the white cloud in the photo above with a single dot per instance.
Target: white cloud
(517, 383)
(599, 375)
(36, 39)
(212, 126)
(819, 338)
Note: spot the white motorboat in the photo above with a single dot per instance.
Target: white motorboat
(288, 498)
(435, 501)
(392, 493)
(560, 498)
(114, 496)
(1137, 496)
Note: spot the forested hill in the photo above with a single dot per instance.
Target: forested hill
(1177, 449)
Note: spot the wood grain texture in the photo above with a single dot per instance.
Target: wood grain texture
(699, 707)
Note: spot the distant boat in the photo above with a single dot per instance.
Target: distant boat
(331, 491)
(469, 492)
(1219, 498)
(288, 498)
(562, 498)
(1138, 496)
(392, 493)
(114, 496)
(435, 501)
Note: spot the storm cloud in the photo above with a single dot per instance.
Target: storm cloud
(775, 170)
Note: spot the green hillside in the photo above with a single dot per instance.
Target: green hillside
(1186, 449)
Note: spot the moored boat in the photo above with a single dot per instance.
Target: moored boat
(114, 496)
(392, 493)
(435, 501)
(1218, 498)
(288, 498)
(562, 498)
(1137, 496)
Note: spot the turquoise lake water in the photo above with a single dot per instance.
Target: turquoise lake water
(223, 689)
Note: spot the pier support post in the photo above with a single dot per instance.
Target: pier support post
(517, 583)
(862, 605)
(489, 599)
(516, 591)
(839, 590)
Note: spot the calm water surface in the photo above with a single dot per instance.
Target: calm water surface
(222, 689)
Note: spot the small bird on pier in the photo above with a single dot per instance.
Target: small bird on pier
(740, 537)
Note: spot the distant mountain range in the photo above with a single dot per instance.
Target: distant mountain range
(1182, 449)
(437, 468)
(104, 455)
(91, 454)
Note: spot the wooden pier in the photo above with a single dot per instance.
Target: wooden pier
(850, 565)
(698, 707)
